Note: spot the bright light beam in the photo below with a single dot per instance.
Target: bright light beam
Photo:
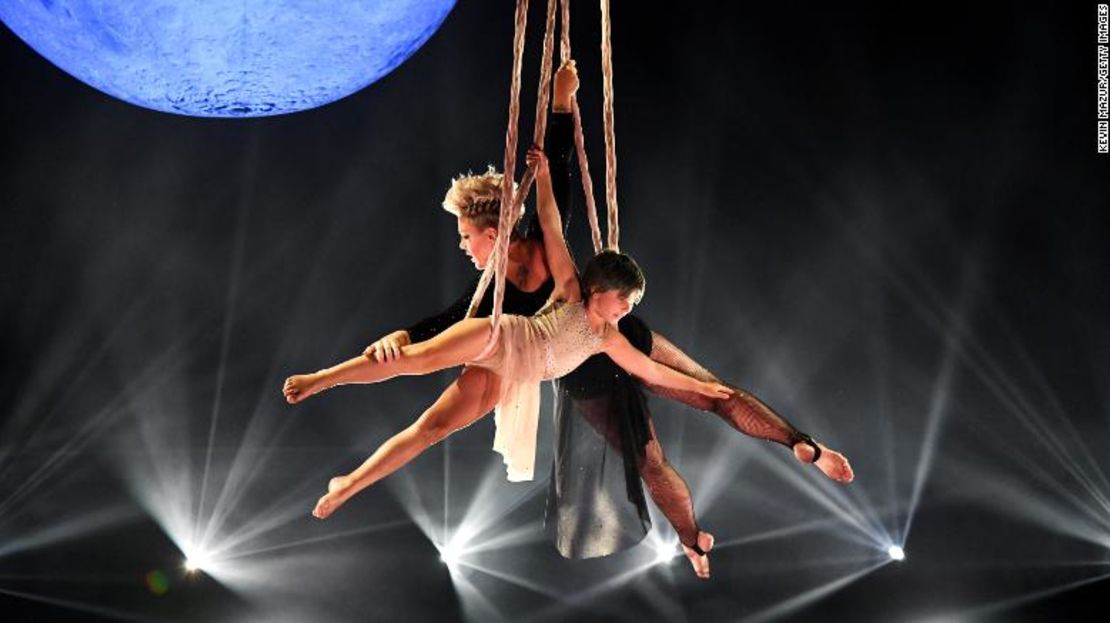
(896, 553)
(514, 579)
(568, 602)
(813, 595)
(93, 426)
(197, 560)
(109, 613)
(450, 554)
(530, 532)
(665, 549)
(664, 554)
(832, 500)
(66, 530)
(938, 408)
(334, 536)
(230, 302)
(1009, 604)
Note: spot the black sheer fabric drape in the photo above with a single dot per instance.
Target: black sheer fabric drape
(596, 504)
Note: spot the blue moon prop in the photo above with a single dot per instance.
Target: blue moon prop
(226, 58)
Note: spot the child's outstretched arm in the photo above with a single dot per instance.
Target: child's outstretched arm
(641, 366)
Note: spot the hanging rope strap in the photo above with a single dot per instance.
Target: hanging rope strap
(512, 203)
(510, 159)
(579, 139)
(610, 133)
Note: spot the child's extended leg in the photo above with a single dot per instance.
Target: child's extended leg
(458, 344)
(469, 398)
(746, 413)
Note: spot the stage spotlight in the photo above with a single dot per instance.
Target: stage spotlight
(196, 561)
(896, 553)
(450, 553)
(664, 553)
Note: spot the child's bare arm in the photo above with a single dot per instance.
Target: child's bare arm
(641, 366)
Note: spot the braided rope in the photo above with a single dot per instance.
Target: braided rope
(579, 139)
(508, 171)
(610, 133)
(516, 207)
(587, 181)
(512, 204)
(564, 31)
(543, 99)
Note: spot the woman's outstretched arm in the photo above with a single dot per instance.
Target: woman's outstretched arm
(559, 261)
(388, 347)
(621, 351)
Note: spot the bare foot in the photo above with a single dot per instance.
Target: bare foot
(832, 463)
(335, 497)
(301, 386)
(338, 483)
(698, 561)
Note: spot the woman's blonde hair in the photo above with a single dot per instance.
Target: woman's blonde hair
(476, 197)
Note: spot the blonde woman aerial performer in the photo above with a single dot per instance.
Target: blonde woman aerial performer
(578, 322)
(601, 409)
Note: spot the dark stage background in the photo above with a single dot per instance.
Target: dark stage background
(891, 223)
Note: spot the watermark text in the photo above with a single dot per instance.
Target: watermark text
(1102, 72)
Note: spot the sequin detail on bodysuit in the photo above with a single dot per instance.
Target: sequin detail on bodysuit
(529, 350)
(570, 340)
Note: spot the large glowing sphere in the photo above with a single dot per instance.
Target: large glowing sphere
(226, 58)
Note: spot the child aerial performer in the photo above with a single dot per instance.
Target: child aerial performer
(580, 320)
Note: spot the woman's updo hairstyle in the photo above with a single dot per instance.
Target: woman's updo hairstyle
(476, 198)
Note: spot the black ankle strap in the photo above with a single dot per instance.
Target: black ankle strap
(807, 440)
(694, 546)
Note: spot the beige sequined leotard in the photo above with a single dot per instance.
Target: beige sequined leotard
(529, 350)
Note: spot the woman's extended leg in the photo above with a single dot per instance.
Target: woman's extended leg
(665, 486)
(458, 344)
(671, 494)
(745, 412)
(469, 398)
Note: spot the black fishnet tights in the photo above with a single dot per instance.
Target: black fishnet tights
(665, 486)
(668, 490)
(742, 411)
